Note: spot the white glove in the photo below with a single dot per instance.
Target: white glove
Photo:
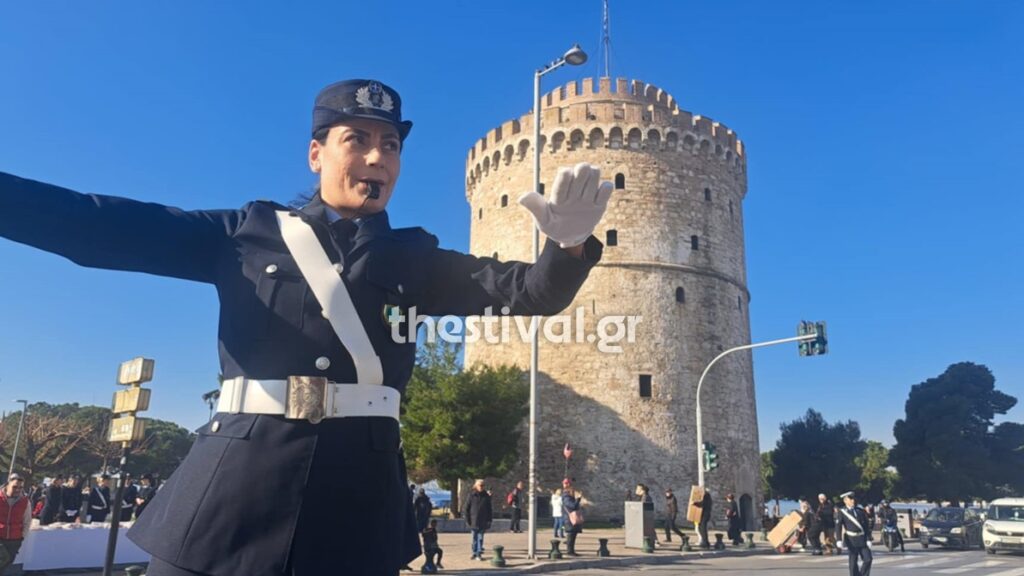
(577, 204)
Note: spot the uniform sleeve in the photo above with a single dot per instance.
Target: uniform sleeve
(465, 285)
(114, 233)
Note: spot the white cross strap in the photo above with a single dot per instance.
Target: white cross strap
(325, 281)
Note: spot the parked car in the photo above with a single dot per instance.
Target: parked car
(1004, 525)
(952, 527)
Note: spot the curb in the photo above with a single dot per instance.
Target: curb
(622, 561)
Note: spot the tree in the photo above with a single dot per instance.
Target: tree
(461, 423)
(877, 480)
(814, 456)
(946, 447)
(767, 469)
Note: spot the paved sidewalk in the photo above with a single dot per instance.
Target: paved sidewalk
(457, 553)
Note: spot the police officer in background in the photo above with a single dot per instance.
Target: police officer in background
(851, 531)
(313, 376)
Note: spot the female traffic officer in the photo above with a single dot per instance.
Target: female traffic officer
(313, 377)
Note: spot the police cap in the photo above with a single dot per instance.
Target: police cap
(367, 99)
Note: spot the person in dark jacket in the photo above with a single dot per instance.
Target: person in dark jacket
(146, 493)
(705, 516)
(423, 507)
(671, 513)
(131, 492)
(99, 500)
(313, 368)
(852, 532)
(827, 520)
(72, 500)
(478, 514)
(431, 549)
(53, 507)
(732, 515)
(572, 507)
(517, 507)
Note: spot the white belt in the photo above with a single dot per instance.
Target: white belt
(308, 398)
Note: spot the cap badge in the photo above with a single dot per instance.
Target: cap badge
(373, 95)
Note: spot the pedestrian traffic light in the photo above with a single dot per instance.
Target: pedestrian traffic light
(803, 329)
(710, 457)
(820, 344)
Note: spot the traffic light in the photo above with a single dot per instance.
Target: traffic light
(816, 346)
(710, 457)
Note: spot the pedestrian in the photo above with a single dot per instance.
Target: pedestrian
(131, 491)
(851, 532)
(515, 500)
(313, 374)
(671, 512)
(732, 515)
(15, 519)
(146, 493)
(572, 505)
(827, 521)
(99, 500)
(53, 510)
(423, 507)
(705, 505)
(431, 549)
(478, 515)
(71, 500)
(556, 513)
(810, 529)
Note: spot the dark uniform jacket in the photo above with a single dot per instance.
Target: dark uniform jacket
(99, 503)
(852, 535)
(53, 508)
(705, 506)
(251, 481)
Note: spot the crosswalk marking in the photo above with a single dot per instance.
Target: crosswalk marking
(1011, 572)
(970, 567)
(926, 563)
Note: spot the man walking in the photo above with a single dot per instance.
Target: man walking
(732, 513)
(671, 512)
(478, 515)
(851, 531)
(705, 517)
(15, 519)
(827, 522)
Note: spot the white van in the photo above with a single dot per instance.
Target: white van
(1004, 525)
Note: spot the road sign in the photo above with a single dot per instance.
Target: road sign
(134, 399)
(135, 371)
(127, 429)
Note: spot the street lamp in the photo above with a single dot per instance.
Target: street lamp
(17, 437)
(574, 57)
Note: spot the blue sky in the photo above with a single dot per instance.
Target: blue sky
(884, 194)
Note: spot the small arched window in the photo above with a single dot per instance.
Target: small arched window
(730, 209)
(620, 181)
(611, 238)
(480, 214)
(739, 302)
(707, 194)
(694, 242)
(504, 200)
(680, 295)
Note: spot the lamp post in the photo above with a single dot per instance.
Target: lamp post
(574, 57)
(17, 437)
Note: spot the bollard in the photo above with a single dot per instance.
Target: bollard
(686, 544)
(133, 571)
(719, 543)
(498, 561)
(555, 553)
(750, 539)
(602, 547)
(648, 545)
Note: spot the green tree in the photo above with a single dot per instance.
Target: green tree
(946, 446)
(877, 480)
(461, 423)
(814, 456)
(767, 469)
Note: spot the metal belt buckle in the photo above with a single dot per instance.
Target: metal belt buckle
(307, 398)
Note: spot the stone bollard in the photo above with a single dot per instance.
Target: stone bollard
(750, 539)
(555, 553)
(498, 561)
(648, 546)
(133, 571)
(602, 547)
(719, 543)
(686, 544)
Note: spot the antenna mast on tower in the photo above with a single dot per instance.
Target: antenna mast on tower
(606, 40)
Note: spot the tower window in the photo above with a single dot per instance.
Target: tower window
(694, 243)
(730, 208)
(707, 194)
(541, 190)
(645, 385)
(611, 238)
(739, 302)
(620, 181)
(480, 214)
(680, 295)
(504, 200)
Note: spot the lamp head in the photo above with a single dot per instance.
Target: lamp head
(575, 56)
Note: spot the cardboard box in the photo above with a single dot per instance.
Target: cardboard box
(784, 529)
